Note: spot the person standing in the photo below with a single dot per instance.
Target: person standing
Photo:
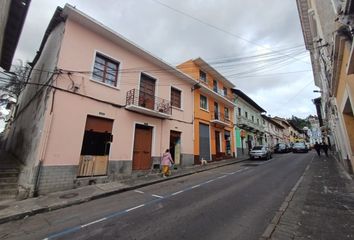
(166, 162)
(325, 148)
(317, 147)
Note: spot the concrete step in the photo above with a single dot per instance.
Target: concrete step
(8, 180)
(9, 169)
(8, 174)
(8, 194)
(8, 186)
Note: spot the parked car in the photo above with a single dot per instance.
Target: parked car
(261, 152)
(281, 148)
(300, 147)
(308, 145)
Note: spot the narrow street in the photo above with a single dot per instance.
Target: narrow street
(232, 202)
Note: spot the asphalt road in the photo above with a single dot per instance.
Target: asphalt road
(232, 202)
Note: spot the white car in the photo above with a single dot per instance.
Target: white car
(261, 152)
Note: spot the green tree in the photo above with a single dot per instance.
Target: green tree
(299, 122)
(16, 82)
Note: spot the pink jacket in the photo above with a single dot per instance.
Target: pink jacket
(166, 159)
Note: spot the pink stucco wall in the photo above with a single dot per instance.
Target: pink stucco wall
(70, 110)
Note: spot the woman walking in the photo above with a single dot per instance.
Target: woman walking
(166, 162)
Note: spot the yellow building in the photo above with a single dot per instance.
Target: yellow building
(328, 33)
(213, 112)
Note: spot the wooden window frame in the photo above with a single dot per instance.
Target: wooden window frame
(106, 61)
(173, 98)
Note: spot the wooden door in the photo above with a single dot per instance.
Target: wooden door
(147, 92)
(142, 148)
(217, 142)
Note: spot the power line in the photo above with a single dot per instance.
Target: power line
(218, 28)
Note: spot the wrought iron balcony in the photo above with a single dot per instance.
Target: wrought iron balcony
(220, 118)
(146, 103)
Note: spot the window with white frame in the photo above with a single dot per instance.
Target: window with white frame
(202, 76)
(203, 102)
(105, 70)
(225, 91)
(227, 113)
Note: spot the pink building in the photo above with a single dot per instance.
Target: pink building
(98, 108)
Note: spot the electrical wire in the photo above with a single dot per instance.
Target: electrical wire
(219, 29)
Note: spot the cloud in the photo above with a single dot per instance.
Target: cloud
(175, 37)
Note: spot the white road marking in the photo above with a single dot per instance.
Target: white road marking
(175, 193)
(115, 214)
(209, 181)
(158, 196)
(228, 173)
(133, 208)
(97, 221)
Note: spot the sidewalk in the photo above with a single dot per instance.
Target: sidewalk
(12, 210)
(320, 206)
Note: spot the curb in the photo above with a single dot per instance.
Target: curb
(267, 234)
(341, 167)
(105, 194)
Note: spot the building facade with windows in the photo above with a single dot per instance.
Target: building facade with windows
(287, 131)
(273, 131)
(102, 108)
(249, 128)
(213, 112)
(327, 28)
(314, 131)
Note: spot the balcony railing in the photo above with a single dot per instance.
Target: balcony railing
(149, 104)
(218, 117)
(242, 121)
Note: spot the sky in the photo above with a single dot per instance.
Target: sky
(257, 45)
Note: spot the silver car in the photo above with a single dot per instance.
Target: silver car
(261, 152)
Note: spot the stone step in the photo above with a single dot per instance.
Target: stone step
(8, 186)
(8, 174)
(8, 194)
(8, 180)
(9, 169)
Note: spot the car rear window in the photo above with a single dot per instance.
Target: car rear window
(299, 144)
(257, 148)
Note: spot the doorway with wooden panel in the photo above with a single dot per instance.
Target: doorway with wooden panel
(142, 147)
(95, 147)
